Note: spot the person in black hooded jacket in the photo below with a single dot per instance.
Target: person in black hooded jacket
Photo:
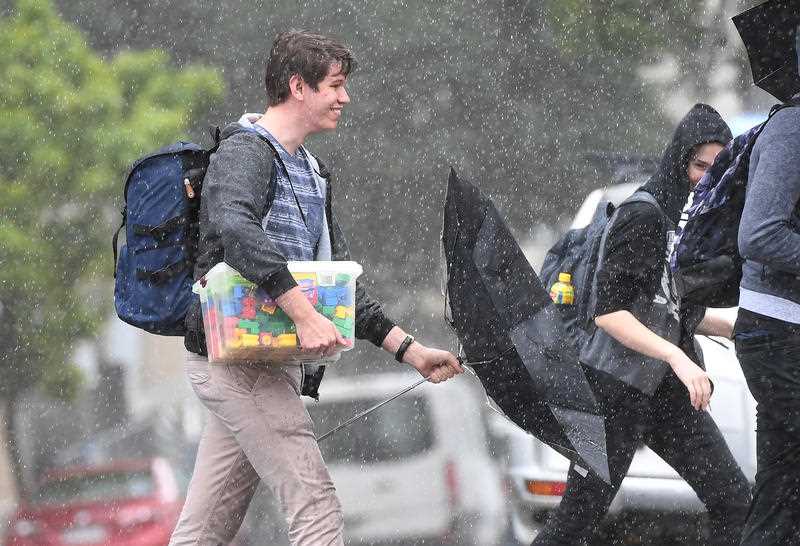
(641, 358)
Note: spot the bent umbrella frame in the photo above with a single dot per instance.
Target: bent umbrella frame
(502, 315)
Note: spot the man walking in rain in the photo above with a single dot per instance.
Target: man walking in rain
(641, 359)
(257, 427)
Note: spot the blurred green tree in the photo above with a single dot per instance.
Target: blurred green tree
(70, 123)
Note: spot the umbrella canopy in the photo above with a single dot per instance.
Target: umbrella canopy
(503, 316)
(770, 34)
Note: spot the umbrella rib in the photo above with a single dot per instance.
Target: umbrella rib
(773, 73)
(373, 408)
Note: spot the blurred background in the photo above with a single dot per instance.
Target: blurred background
(539, 102)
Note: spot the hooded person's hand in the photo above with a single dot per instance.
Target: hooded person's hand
(693, 377)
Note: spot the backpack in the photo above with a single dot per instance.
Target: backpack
(578, 253)
(154, 269)
(706, 264)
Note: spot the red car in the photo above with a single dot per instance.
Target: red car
(132, 503)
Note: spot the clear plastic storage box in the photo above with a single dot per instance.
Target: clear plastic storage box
(242, 323)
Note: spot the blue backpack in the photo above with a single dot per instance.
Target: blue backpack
(154, 270)
(706, 264)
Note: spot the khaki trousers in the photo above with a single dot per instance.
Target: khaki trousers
(256, 429)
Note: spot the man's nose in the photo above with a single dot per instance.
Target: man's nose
(344, 98)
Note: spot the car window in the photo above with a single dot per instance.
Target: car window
(95, 487)
(398, 430)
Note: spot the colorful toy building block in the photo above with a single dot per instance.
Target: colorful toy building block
(265, 339)
(347, 298)
(345, 326)
(250, 340)
(252, 326)
(308, 284)
(229, 326)
(329, 296)
(286, 340)
(268, 309)
(248, 310)
(230, 308)
(342, 279)
(343, 312)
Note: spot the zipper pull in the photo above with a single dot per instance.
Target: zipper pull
(189, 189)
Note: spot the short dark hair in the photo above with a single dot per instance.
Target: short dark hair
(304, 53)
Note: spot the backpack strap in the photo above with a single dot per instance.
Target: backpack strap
(323, 175)
(639, 196)
(316, 163)
(163, 275)
(160, 231)
(278, 157)
(115, 238)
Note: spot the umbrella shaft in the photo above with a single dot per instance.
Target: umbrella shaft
(370, 410)
(401, 393)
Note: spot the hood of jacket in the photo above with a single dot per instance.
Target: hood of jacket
(670, 184)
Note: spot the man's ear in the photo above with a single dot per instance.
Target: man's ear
(297, 86)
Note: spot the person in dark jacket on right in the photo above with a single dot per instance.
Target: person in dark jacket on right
(768, 326)
(641, 359)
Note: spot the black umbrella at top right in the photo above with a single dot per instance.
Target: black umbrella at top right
(770, 34)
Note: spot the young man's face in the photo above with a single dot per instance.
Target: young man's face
(701, 159)
(324, 107)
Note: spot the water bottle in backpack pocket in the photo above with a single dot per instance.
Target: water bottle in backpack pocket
(562, 292)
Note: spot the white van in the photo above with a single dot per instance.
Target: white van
(415, 469)
(537, 474)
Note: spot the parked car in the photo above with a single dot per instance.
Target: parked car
(537, 474)
(131, 503)
(417, 470)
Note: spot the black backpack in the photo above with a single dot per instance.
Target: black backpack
(577, 253)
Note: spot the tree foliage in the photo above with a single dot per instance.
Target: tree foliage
(70, 123)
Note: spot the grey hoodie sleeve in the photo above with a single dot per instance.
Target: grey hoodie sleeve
(768, 234)
(235, 193)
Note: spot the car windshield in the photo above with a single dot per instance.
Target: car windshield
(399, 430)
(95, 487)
